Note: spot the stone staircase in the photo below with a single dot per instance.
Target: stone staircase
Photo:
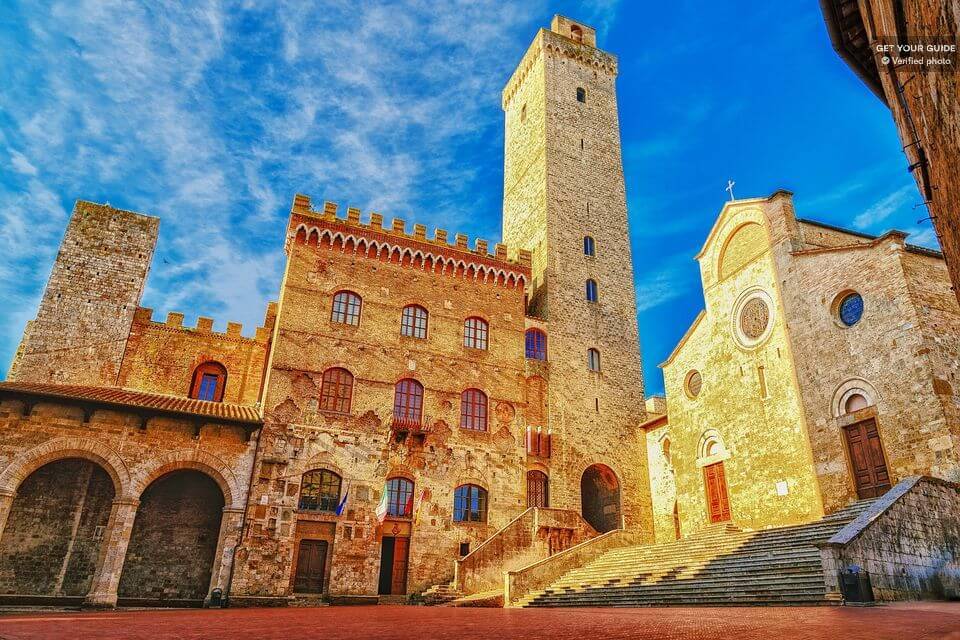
(720, 565)
(440, 594)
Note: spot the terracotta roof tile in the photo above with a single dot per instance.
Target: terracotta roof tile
(141, 399)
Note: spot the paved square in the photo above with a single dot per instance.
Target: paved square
(916, 621)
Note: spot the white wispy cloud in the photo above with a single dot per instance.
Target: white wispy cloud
(674, 278)
(885, 207)
(212, 114)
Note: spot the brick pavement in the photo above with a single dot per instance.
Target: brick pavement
(917, 621)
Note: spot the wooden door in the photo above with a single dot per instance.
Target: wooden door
(311, 566)
(866, 459)
(401, 553)
(717, 501)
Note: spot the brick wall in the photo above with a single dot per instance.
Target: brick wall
(161, 357)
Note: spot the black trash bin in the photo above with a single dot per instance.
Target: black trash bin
(855, 585)
(216, 598)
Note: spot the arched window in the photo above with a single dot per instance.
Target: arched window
(593, 359)
(576, 33)
(470, 504)
(523, 113)
(665, 447)
(320, 490)
(537, 489)
(475, 333)
(413, 323)
(209, 382)
(592, 290)
(346, 308)
(399, 498)
(536, 344)
(581, 94)
(856, 402)
(336, 390)
(589, 246)
(473, 410)
(408, 401)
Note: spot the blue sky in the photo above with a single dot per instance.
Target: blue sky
(213, 115)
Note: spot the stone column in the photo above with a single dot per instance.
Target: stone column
(230, 526)
(106, 579)
(6, 503)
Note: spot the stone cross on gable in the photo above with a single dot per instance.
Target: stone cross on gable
(729, 188)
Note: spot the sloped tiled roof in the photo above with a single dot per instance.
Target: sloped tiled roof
(119, 397)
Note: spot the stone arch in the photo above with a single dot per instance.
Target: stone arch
(59, 448)
(173, 545)
(53, 537)
(847, 389)
(744, 244)
(711, 447)
(201, 461)
(600, 498)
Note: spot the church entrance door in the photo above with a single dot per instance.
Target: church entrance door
(718, 503)
(866, 459)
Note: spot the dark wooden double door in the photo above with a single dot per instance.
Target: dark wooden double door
(867, 462)
(311, 566)
(394, 557)
(718, 502)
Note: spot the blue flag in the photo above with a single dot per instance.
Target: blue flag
(343, 503)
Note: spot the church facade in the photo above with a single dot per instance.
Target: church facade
(412, 397)
(822, 371)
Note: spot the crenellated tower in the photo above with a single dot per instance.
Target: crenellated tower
(564, 200)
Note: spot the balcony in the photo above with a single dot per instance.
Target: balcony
(402, 428)
(539, 442)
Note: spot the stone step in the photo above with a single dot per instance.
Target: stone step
(697, 583)
(718, 565)
(798, 574)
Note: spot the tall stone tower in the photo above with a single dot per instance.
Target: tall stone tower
(81, 329)
(564, 200)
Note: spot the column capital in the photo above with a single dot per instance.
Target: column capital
(126, 502)
(233, 510)
(7, 492)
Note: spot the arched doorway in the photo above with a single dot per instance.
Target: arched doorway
(174, 540)
(600, 498)
(51, 543)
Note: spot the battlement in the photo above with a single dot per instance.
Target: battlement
(174, 321)
(376, 239)
(562, 39)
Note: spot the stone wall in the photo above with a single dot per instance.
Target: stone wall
(161, 357)
(909, 542)
(85, 315)
(98, 528)
(663, 486)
